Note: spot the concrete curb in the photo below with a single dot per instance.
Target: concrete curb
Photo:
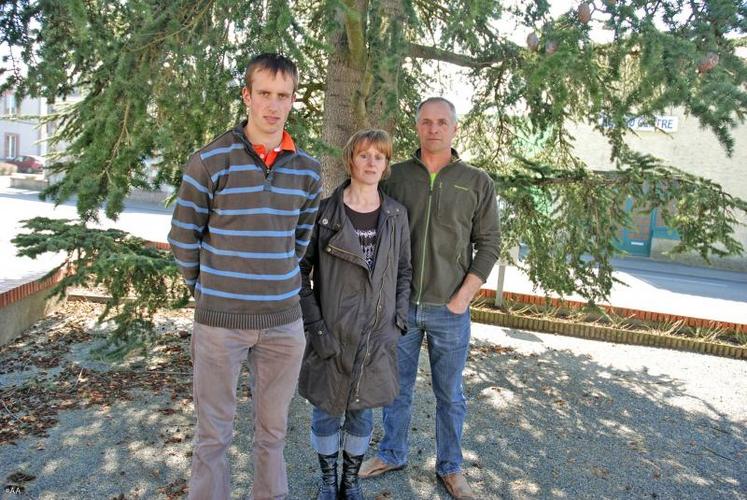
(20, 292)
(490, 316)
(24, 305)
(31, 182)
(98, 298)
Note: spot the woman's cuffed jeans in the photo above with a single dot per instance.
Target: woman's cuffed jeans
(327, 432)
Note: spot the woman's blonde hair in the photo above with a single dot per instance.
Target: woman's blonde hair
(363, 139)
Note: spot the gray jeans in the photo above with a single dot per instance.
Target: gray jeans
(275, 356)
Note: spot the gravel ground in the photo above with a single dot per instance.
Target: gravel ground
(549, 417)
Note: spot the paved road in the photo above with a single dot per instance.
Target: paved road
(662, 287)
(148, 221)
(656, 286)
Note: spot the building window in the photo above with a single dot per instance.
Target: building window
(10, 104)
(11, 145)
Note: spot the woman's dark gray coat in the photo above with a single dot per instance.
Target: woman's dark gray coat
(353, 317)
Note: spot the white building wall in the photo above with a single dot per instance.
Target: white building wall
(690, 148)
(30, 135)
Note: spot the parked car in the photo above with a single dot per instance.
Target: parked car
(29, 164)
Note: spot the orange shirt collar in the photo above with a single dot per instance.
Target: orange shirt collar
(286, 144)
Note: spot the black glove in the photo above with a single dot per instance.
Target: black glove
(322, 341)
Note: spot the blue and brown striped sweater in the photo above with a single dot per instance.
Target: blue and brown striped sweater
(240, 229)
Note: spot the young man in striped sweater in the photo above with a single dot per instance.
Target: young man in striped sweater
(243, 219)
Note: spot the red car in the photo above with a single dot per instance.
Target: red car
(27, 164)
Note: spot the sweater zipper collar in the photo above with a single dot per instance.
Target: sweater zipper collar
(238, 131)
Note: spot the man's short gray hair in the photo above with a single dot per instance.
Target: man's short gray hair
(430, 100)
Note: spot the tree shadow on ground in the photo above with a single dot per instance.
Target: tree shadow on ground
(558, 424)
(88, 428)
(553, 424)
(138, 449)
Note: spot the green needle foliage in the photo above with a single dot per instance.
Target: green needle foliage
(139, 279)
(152, 80)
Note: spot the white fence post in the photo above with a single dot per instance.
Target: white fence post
(514, 252)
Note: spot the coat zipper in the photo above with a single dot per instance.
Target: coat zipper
(373, 325)
(345, 252)
(425, 242)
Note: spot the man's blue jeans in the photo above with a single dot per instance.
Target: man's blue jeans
(356, 432)
(448, 345)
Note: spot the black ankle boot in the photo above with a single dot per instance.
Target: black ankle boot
(328, 487)
(350, 488)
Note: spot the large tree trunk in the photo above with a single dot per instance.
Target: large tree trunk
(344, 99)
(385, 61)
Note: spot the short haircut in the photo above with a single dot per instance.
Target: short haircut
(430, 100)
(274, 63)
(365, 138)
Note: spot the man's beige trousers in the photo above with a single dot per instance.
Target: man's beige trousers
(275, 356)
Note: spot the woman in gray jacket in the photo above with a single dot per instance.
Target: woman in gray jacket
(356, 286)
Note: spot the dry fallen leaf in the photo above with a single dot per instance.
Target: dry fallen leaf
(601, 472)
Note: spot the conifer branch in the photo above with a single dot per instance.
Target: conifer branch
(419, 51)
(193, 20)
(122, 133)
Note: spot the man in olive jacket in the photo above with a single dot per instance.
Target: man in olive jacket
(455, 239)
